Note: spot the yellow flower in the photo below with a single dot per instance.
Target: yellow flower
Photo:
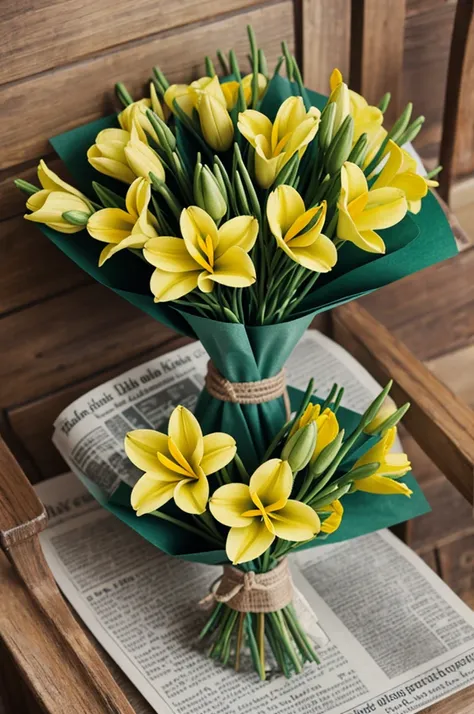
(293, 129)
(141, 158)
(392, 466)
(386, 410)
(231, 89)
(262, 511)
(176, 465)
(125, 229)
(288, 220)
(107, 155)
(333, 521)
(362, 212)
(204, 256)
(55, 198)
(135, 115)
(340, 97)
(399, 171)
(326, 424)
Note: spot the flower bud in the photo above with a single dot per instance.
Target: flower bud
(142, 159)
(299, 448)
(327, 455)
(64, 212)
(207, 193)
(107, 154)
(340, 147)
(341, 98)
(216, 124)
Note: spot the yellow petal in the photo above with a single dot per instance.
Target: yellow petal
(385, 207)
(110, 167)
(149, 494)
(290, 116)
(412, 184)
(110, 225)
(244, 544)
(266, 169)
(252, 124)
(142, 446)
(386, 410)
(196, 224)
(284, 206)
(241, 231)
(335, 79)
(135, 241)
(395, 465)
(231, 92)
(333, 522)
(183, 96)
(272, 481)
(302, 136)
(328, 429)
(234, 268)
(142, 159)
(155, 102)
(320, 256)
(51, 181)
(229, 502)
(138, 196)
(191, 495)
(169, 254)
(219, 450)
(347, 230)
(392, 166)
(296, 521)
(184, 429)
(353, 182)
(382, 486)
(216, 124)
(172, 286)
(37, 200)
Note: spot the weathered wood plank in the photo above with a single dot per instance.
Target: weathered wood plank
(43, 34)
(32, 423)
(84, 91)
(32, 267)
(457, 567)
(326, 41)
(456, 369)
(63, 340)
(377, 41)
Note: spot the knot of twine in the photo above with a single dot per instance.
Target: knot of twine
(252, 592)
(264, 390)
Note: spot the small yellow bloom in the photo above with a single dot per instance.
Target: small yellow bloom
(399, 171)
(262, 511)
(204, 256)
(362, 212)
(340, 97)
(392, 466)
(231, 89)
(55, 198)
(136, 115)
(176, 464)
(141, 158)
(125, 229)
(386, 410)
(293, 129)
(326, 424)
(288, 219)
(107, 155)
(333, 521)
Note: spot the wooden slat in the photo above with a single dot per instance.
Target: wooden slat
(377, 38)
(457, 143)
(34, 109)
(62, 340)
(32, 267)
(326, 41)
(456, 370)
(32, 423)
(44, 34)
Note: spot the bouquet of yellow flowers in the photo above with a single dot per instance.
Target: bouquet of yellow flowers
(234, 209)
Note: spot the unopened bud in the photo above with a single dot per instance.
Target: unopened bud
(299, 448)
(327, 455)
(207, 192)
(340, 147)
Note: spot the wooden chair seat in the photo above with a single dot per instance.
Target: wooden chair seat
(61, 335)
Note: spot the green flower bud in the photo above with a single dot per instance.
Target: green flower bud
(207, 192)
(326, 126)
(327, 455)
(340, 147)
(299, 448)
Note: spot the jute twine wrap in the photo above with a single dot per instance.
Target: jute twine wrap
(265, 390)
(252, 592)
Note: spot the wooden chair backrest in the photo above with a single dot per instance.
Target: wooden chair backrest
(60, 333)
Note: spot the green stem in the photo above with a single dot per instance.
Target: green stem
(181, 524)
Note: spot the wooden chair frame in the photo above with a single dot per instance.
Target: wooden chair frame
(40, 639)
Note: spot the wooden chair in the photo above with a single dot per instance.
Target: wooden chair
(60, 332)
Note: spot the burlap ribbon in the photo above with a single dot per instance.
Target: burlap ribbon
(265, 390)
(252, 592)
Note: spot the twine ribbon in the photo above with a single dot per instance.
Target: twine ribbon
(264, 390)
(250, 591)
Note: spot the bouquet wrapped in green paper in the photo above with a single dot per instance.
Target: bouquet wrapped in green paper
(234, 209)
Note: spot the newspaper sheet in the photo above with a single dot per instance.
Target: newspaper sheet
(397, 638)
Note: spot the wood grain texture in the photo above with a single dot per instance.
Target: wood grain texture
(326, 41)
(377, 42)
(460, 703)
(32, 267)
(47, 34)
(63, 340)
(457, 142)
(440, 422)
(84, 91)
(21, 512)
(456, 369)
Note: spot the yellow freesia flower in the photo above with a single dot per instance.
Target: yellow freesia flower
(392, 466)
(288, 219)
(367, 118)
(262, 511)
(206, 96)
(135, 115)
(333, 521)
(141, 158)
(55, 198)
(204, 256)
(399, 171)
(293, 129)
(176, 464)
(231, 89)
(326, 424)
(386, 410)
(107, 155)
(362, 212)
(125, 229)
